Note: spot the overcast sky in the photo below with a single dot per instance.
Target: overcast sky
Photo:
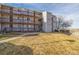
(68, 11)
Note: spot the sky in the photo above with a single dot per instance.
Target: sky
(67, 10)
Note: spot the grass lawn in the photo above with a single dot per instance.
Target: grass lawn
(2, 37)
(43, 43)
(8, 35)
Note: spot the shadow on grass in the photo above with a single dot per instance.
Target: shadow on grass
(36, 34)
(71, 40)
(11, 49)
(68, 33)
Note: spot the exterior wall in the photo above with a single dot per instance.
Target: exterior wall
(44, 27)
(54, 23)
(47, 22)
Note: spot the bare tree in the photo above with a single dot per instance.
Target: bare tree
(66, 24)
(63, 24)
(59, 22)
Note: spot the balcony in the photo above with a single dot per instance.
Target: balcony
(31, 13)
(4, 20)
(23, 12)
(15, 12)
(16, 28)
(25, 20)
(5, 11)
(20, 12)
(38, 15)
(16, 20)
(19, 21)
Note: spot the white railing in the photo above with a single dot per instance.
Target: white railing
(16, 20)
(19, 20)
(20, 12)
(23, 12)
(31, 13)
(38, 15)
(15, 29)
(5, 20)
(8, 11)
(15, 12)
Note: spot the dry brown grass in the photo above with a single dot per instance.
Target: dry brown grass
(74, 30)
(44, 43)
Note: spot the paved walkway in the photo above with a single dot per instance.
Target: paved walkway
(20, 36)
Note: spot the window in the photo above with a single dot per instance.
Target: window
(25, 19)
(28, 19)
(15, 17)
(31, 12)
(29, 26)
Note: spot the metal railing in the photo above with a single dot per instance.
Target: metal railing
(6, 11)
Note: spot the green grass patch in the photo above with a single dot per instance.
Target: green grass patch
(71, 40)
(2, 37)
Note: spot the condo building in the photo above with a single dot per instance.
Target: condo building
(14, 19)
(19, 19)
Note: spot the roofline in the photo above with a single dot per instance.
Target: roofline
(20, 8)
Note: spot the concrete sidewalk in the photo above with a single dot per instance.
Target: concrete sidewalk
(20, 36)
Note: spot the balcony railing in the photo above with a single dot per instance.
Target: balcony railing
(16, 29)
(15, 12)
(20, 12)
(22, 21)
(18, 20)
(23, 12)
(6, 11)
(31, 13)
(7, 28)
(4, 20)
(37, 15)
